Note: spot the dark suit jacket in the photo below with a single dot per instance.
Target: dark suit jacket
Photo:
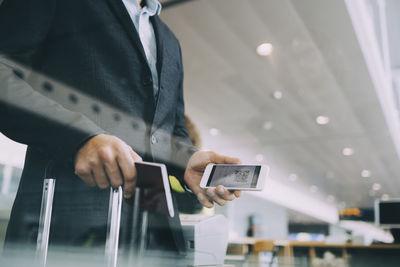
(86, 55)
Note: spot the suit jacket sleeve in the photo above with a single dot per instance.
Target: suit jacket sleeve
(26, 115)
(182, 148)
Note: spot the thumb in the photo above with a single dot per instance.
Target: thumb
(200, 194)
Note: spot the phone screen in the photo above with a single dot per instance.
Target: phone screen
(234, 176)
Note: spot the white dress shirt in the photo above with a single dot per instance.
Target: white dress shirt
(141, 19)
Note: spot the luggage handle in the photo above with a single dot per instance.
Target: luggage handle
(45, 221)
(113, 226)
(113, 223)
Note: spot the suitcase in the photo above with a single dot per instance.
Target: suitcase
(113, 223)
(136, 221)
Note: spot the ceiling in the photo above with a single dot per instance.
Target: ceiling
(392, 13)
(318, 66)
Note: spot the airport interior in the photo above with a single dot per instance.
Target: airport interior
(305, 93)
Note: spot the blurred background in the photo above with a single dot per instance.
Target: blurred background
(308, 87)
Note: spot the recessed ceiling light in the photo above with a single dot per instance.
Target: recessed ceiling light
(259, 157)
(277, 94)
(385, 197)
(214, 131)
(265, 49)
(267, 125)
(376, 187)
(322, 120)
(330, 198)
(348, 151)
(366, 173)
(293, 177)
(313, 189)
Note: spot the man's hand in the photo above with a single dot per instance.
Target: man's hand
(194, 172)
(106, 160)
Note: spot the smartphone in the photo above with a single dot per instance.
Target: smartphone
(235, 177)
(152, 179)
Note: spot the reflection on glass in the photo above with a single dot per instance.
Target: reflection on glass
(151, 184)
(15, 178)
(1, 177)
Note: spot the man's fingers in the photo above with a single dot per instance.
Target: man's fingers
(127, 164)
(100, 177)
(135, 156)
(129, 171)
(85, 173)
(194, 171)
(237, 193)
(107, 157)
(194, 187)
(229, 160)
(221, 159)
(224, 193)
(105, 160)
(215, 197)
(216, 158)
(114, 173)
(129, 189)
(204, 200)
(87, 177)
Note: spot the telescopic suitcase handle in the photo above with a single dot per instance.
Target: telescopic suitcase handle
(45, 221)
(113, 223)
(113, 226)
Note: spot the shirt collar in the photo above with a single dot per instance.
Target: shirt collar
(153, 7)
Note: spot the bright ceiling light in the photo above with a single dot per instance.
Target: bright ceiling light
(366, 173)
(313, 189)
(265, 49)
(267, 125)
(293, 177)
(259, 157)
(348, 151)
(214, 131)
(385, 197)
(376, 187)
(322, 120)
(277, 95)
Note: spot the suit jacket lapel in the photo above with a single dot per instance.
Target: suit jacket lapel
(159, 33)
(160, 39)
(122, 15)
